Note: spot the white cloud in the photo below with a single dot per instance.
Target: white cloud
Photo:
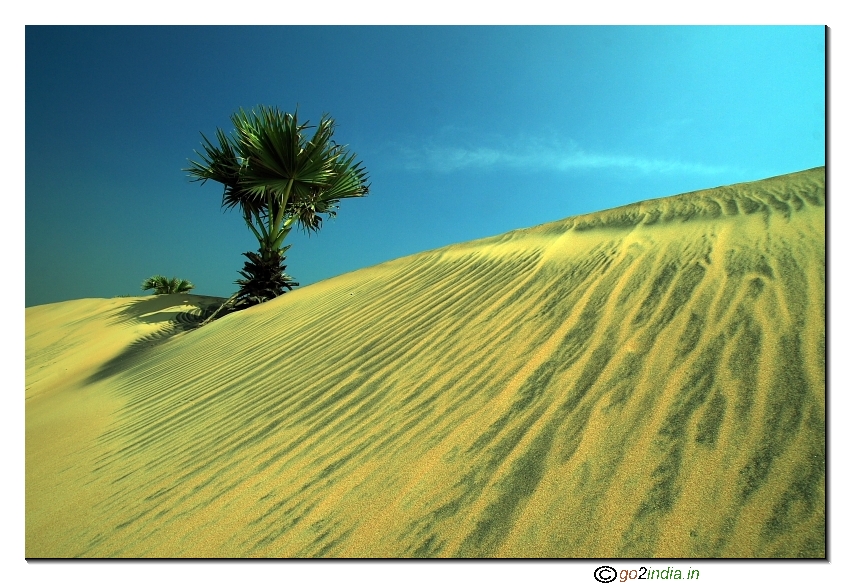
(536, 155)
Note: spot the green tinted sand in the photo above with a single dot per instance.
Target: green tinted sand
(646, 381)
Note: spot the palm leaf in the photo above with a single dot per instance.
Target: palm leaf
(349, 181)
(277, 152)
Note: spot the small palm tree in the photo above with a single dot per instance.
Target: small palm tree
(162, 285)
(278, 178)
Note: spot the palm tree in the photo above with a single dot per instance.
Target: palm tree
(278, 178)
(162, 285)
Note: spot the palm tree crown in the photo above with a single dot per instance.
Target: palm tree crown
(278, 177)
(163, 285)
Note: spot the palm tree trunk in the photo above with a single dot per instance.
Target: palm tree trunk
(220, 308)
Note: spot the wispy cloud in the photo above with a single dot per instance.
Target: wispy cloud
(537, 155)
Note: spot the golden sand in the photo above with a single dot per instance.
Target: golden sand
(646, 381)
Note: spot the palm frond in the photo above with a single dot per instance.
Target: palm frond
(278, 153)
(218, 162)
(350, 180)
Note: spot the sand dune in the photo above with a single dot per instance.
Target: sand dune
(647, 381)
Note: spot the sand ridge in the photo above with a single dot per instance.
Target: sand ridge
(643, 381)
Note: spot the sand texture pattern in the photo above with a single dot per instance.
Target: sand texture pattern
(647, 381)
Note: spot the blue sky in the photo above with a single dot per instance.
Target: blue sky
(466, 132)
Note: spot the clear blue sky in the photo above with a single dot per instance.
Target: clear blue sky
(466, 132)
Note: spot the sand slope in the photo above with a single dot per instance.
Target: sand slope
(644, 381)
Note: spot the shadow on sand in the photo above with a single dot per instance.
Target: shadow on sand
(160, 310)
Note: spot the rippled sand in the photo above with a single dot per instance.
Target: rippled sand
(646, 381)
